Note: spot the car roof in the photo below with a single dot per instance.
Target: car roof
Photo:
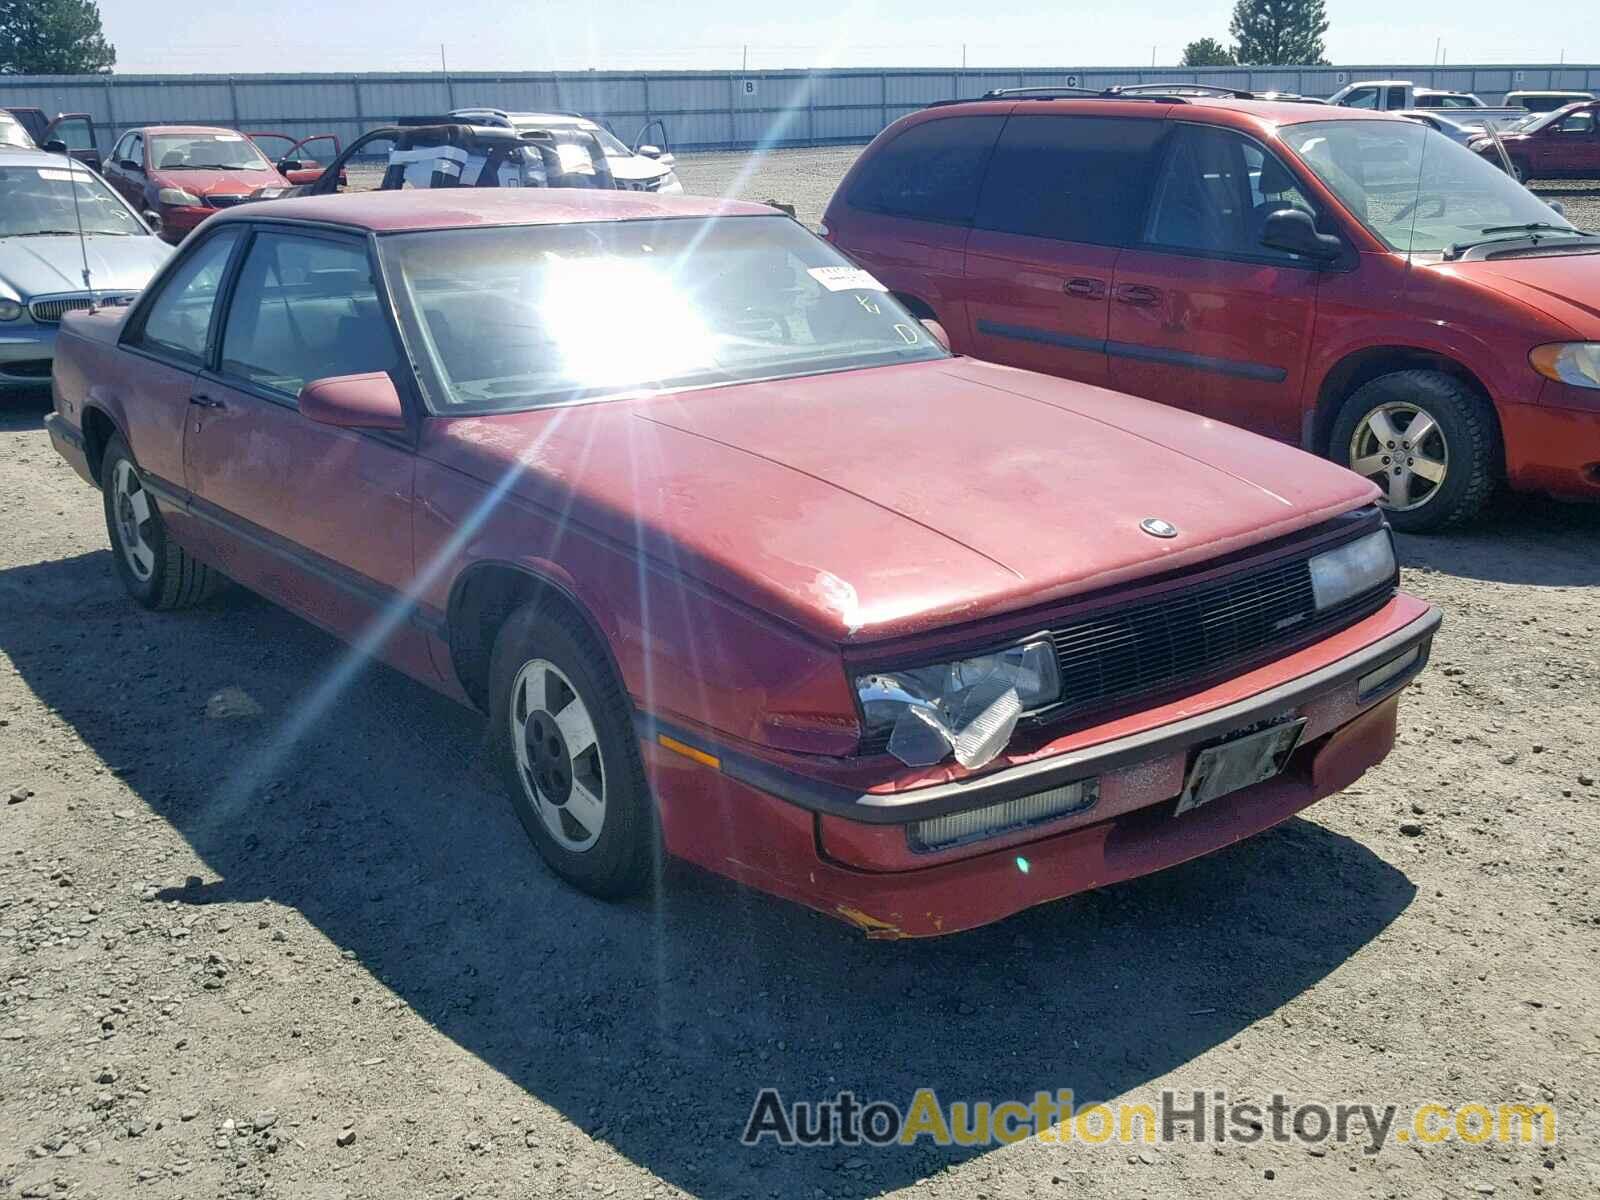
(22, 156)
(458, 208)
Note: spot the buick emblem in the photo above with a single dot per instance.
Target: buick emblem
(1156, 527)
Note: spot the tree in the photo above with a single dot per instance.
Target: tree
(53, 37)
(1207, 52)
(1279, 32)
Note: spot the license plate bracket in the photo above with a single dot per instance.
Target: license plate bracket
(1239, 762)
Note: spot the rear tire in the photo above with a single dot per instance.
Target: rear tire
(564, 741)
(1428, 440)
(156, 571)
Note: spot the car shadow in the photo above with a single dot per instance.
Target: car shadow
(1521, 539)
(653, 1024)
(23, 408)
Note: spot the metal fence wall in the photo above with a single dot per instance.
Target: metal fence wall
(710, 110)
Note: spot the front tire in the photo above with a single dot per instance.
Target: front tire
(564, 741)
(156, 571)
(1429, 441)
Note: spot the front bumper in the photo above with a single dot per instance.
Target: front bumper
(850, 854)
(26, 352)
(1554, 446)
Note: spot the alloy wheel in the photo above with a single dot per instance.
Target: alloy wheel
(131, 508)
(1401, 448)
(558, 754)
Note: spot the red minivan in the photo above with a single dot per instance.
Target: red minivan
(1347, 281)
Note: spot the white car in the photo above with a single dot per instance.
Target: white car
(639, 169)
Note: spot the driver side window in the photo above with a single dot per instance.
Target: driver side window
(1215, 193)
(1578, 122)
(178, 321)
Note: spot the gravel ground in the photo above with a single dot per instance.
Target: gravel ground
(245, 954)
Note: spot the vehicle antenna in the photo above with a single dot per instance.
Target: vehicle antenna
(1422, 159)
(77, 215)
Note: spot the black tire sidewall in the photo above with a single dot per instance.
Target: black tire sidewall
(624, 858)
(1468, 437)
(147, 592)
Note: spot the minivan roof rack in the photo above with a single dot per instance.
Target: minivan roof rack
(1180, 89)
(1164, 93)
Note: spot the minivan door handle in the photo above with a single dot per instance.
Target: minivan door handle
(1085, 287)
(1137, 293)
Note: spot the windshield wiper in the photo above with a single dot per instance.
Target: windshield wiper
(47, 233)
(1532, 227)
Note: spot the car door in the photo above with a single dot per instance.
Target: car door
(76, 132)
(315, 516)
(126, 172)
(1203, 316)
(315, 154)
(1567, 147)
(1062, 195)
(169, 335)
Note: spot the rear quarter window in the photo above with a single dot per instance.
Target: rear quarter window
(932, 171)
(1074, 179)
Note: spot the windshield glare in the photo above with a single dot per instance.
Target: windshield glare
(205, 152)
(1413, 187)
(534, 316)
(38, 200)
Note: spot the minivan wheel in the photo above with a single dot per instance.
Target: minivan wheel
(1427, 440)
(156, 571)
(564, 740)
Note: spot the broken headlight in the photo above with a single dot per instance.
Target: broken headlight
(968, 708)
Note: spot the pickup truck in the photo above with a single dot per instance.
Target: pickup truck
(1392, 95)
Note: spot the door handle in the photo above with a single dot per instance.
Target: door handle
(1084, 287)
(1137, 293)
(205, 401)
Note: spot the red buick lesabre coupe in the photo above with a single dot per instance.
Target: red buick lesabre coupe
(742, 564)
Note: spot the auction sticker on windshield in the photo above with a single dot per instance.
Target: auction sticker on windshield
(845, 279)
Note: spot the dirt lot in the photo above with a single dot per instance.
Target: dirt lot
(243, 954)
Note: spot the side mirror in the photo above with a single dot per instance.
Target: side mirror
(367, 401)
(1557, 207)
(937, 330)
(1292, 230)
(55, 146)
(650, 151)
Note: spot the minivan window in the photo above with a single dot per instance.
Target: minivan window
(931, 171)
(1075, 179)
(1215, 193)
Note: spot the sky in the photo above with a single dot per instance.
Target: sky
(394, 35)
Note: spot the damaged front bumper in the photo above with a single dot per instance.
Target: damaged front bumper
(855, 851)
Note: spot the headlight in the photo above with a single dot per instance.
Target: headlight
(176, 196)
(969, 707)
(10, 310)
(1352, 569)
(1576, 363)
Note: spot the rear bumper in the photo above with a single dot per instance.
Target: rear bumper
(67, 439)
(850, 855)
(1551, 448)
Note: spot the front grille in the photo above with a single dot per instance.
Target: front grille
(1185, 635)
(49, 309)
(224, 201)
(48, 312)
(640, 185)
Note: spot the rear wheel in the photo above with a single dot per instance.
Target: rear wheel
(1427, 440)
(156, 571)
(1519, 171)
(564, 739)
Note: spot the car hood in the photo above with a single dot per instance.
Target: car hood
(1564, 287)
(869, 504)
(42, 266)
(219, 183)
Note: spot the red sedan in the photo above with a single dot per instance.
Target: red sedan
(1564, 144)
(741, 563)
(178, 175)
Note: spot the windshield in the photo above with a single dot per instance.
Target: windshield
(205, 152)
(533, 316)
(38, 201)
(1413, 187)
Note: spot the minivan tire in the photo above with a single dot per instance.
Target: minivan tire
(155, 570)
(1471, 443)
(550, 641)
